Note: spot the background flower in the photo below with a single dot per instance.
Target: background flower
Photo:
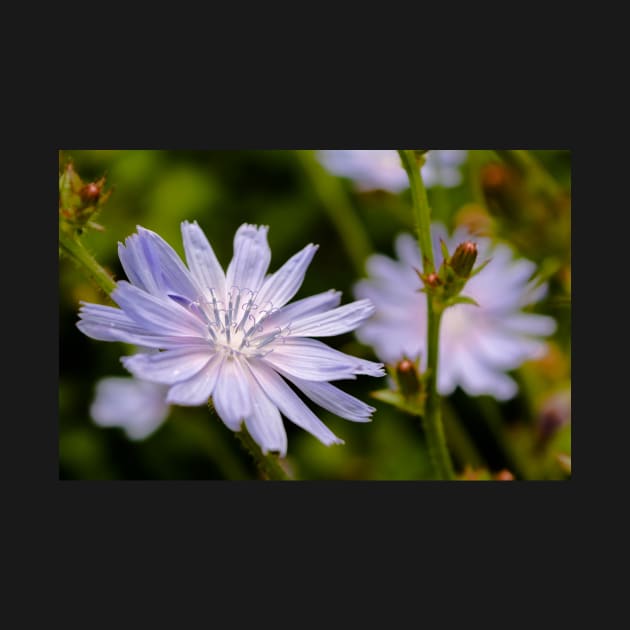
(138, 407)
(381, 168)
(478, 344)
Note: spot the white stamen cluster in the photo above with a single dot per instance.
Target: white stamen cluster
(237, 328)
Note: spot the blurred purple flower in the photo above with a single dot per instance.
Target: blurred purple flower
(477, 343)
(138, 407)
(231, 336)
(380, 169)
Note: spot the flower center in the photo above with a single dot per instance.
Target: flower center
(239, 327)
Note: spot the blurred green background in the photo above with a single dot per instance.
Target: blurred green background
(520, 196)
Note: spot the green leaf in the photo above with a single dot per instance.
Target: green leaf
(482, 266)
(444, 248)
(462, 299)
(414, 406)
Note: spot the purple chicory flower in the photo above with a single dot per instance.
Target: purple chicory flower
(477, 343)
(381, 169)
(231, 336)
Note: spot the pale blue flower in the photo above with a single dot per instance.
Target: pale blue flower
(381, 169)
(232, 336)
(138, 407)
(478, 344)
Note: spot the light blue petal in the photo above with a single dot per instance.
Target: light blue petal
(202, 260)
(303, 308)
(168, 266)
(136, 406)
(504, 350)
(138, 269)
(289, 403)
(231, 397)
(335, 400)
(159, 316)
(251, 258)
(408, 250)
(334, 322)
(265, 423)
(168, 367)
(314, 361)
(107, 323)
(153, 265)
(281, 286)
(382, 267)
(198, 388)
(477, 379)
(530, 324)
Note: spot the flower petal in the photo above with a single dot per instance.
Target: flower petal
(136, 406)
(154, 266)
(290, 404)
(160, 316)
(447, 376)
(251, 258)
(202, 260)
(315, 361)
(231, 396)
(391, 342)
(381, 267)
(504, 350)
(303, 308)
(198, 388)
(169, 366)
(137, 268)
(408, 250)
(334, 400)
(530, 324)
(281, 286)
(176, 278)
(476, 379)
(265, 423)
(107, 323)
(335, 322)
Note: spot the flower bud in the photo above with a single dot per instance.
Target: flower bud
(464, 258)
(90, 193)
(79, 202)
(408, 378)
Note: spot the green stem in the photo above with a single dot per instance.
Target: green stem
(75, 250)
(340, 211)
(268, 465)
(420, 204)
(432, 420)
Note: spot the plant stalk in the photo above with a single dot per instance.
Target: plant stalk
(75, 250)
(268, 465)
(432, 419)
